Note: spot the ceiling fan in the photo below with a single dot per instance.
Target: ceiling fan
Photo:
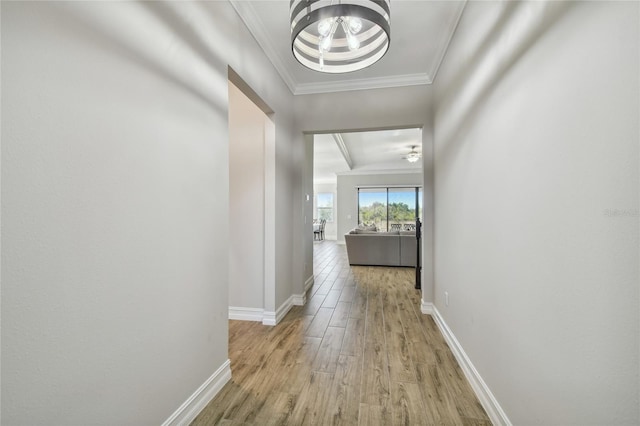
(413, 155)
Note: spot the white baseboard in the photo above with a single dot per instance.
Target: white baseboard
(308, 283)
(488, 401)
(341, 243)
(299, 299)
(426, 308)
(266, 317)
(188, 411)
(269, 318)
(245, 314)
(273, 318)
(284, 309)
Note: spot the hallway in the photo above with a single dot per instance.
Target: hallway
(359, 352)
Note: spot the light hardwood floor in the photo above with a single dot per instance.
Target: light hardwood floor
(359, 352)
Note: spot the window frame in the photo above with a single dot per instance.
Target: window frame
(330, 209)
(417, 206)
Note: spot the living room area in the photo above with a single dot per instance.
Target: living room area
(367, 182)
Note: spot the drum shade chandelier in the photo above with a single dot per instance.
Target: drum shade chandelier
(339, 36)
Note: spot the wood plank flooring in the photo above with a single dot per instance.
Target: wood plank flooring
(359, 352)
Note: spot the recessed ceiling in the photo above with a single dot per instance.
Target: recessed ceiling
(373, 152)
(420, 35)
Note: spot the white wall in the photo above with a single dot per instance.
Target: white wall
(348, 194)
(536, 136)
(246, 201)
(330, 230)
(303, 244)
(115, 200)
(287, 217)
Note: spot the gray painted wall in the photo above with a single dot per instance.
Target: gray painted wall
(536, 136)
(115, 187)
(246, 201)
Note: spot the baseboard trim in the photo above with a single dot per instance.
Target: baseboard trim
(245, 314)
(341, 243)
(426, 308)
(284, 309)
(489, 403)
(269, 318)
(308, 283)
(188, 411)
(273, 318)
(299, 299)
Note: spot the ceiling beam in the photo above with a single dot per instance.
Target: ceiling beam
(343, 149)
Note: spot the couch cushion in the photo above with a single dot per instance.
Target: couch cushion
(363, 231)
(371, 227)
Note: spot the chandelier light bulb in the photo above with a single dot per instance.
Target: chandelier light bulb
(352, 41)
(355, 25)
(324, 27)
(325, 43)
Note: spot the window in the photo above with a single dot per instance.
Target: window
(389, 208)
(402, 205)
(325, 206)
(372, 207)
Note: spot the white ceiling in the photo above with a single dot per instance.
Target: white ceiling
(420, 34)
(369, 152)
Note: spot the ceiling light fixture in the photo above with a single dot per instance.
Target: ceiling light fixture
(413, 155)
(338, 36)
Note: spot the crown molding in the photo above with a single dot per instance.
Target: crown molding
(363, 84)
(417, 170)
(326, 181)
(334, 181)
(247, 13)
(445, 41)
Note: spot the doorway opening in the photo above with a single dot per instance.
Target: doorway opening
(344, 161)
(251, 205)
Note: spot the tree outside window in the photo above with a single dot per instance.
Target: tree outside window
(325, 206)
(402, 205)
(372, 205)
(389, 208)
